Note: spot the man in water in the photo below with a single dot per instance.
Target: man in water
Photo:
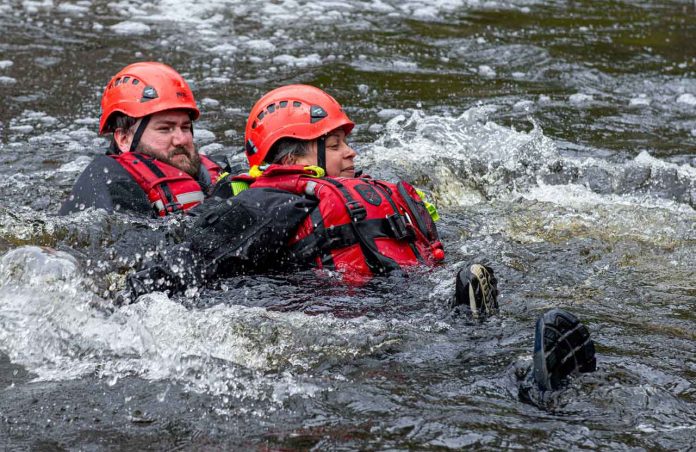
(306, 208)
(152, 166)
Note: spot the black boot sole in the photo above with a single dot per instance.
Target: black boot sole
(562, 346)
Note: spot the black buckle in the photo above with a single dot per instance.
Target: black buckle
(172, 207)
(356, 210)
(398, 226)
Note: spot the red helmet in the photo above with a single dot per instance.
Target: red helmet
(294, 111)
(142, 89)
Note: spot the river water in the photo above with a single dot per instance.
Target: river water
(558, 139)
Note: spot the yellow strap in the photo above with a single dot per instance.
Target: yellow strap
(317, 170)
(255, 171)
(432, 210)
(221, 176)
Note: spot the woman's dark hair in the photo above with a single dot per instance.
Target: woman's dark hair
(287, 147)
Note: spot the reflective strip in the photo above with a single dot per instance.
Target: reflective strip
(311, 188)
(238, 187)
(183, 199)
(191, 197)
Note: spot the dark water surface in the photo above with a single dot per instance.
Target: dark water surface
(558, 139)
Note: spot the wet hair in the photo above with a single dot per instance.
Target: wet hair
(287, 148)
(119, 121)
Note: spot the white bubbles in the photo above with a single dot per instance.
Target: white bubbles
(224, 49)
(7, 81)
(260, 45)
(687, 99)
(580, 98)
(485, 156)
(210, 103)
(405, 65)
(221, 350)
(72, 8)
(22, 129)
(486, 71)
(76, 166)
(641, 101)
(47, 61)
(130, 28)
(523, 105)
(83, 133)
(574, 195)
(4, 64)
(389, 113)
(289, 60)
(34, 6)
(32, 265)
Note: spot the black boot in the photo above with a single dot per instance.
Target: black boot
(562, 346)
(476, 291)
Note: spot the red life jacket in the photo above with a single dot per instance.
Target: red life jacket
(362, 226)
(168, 188)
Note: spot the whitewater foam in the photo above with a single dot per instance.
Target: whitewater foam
(49, 327)
(130, 28)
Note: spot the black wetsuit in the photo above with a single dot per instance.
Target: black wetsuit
(246, 233)
(105, 184)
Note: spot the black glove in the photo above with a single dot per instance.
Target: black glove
(172, 271)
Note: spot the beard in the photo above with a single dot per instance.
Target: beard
(189, 163)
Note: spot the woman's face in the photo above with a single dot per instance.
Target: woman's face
(339, 156)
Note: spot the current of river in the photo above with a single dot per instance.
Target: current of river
(558, 139)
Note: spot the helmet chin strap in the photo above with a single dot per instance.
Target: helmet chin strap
(321, 153)
(139, 133)
(141, 129)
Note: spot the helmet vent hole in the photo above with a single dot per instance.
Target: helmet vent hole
(253, 125)
(317, 113)
(261, 115)
(125, 79)
(283, 104)
(271, 108)
(149, 92)
(296, 104)
(135, 81)
(118, 81)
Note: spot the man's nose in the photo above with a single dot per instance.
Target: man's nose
(180, 136)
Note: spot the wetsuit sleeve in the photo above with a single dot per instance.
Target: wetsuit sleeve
(105, 184)
(243, 234)
(250, 231)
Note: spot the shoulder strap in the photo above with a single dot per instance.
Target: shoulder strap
(386, 195)
(377, 262)
(172, 205)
